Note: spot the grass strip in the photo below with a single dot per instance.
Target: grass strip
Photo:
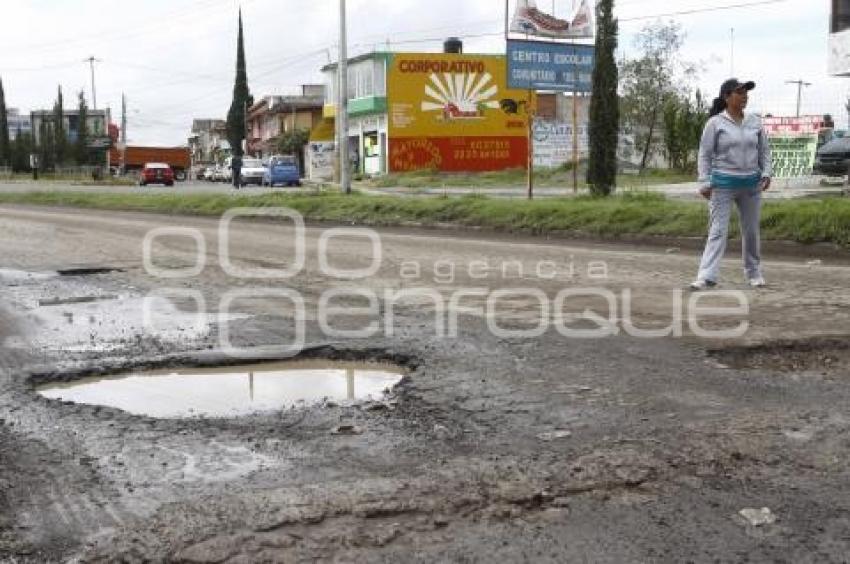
(561, 177)
(824, 220)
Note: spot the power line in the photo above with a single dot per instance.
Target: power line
(703, 10)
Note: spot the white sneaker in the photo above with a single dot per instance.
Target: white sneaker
(758, 282)
(698, 285)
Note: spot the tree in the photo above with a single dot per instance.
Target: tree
(46, 145)
(5, 149)
(604, 105)
(683, 122)
(242, 98)
(21, 149)
(293, 142)
(60, 135)
(81, 149)
(651, 80)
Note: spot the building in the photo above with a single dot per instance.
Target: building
(18, 122)
(441, 111)
(208, 142)
(273, 116)
(97, 125)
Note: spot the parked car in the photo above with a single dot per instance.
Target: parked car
(222, 174)
(156, 173)
(252, 171)
(833, 158)
(282, 170)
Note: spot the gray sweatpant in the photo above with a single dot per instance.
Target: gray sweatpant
(748, 202)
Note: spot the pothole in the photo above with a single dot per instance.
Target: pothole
(231, 391)
(831, 355)
(90, 271)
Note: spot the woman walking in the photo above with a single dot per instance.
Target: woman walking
(734, 167)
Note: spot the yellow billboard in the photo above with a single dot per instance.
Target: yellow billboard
(448, 95)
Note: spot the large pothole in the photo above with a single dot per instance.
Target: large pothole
(829, 355)
(231, 391)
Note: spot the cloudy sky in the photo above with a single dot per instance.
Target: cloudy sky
(175, 59)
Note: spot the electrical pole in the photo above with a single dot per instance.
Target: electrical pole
(342, 105)
(800, 84)
(91, 61)
(123, 145)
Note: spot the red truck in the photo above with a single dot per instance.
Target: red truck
(135, 158)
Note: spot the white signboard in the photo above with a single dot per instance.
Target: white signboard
(320, 160)
(530, 20)
(839, 53)
(553, 143)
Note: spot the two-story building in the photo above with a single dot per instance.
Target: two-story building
(97, 125)
(441, 111)
(273, 116)
(18, 122)
(208, 142)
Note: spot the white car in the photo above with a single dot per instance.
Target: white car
(252, 172)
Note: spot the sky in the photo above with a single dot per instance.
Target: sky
(175, 59)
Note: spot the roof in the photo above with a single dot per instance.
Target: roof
(365, 57)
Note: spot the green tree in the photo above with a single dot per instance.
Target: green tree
(81, 149)
(46, 145)
(293, 142)
(683, 121)
(604, 104)
(60, 135)
(651, 80)
(5, 152)
(22, 147)
(242, 98)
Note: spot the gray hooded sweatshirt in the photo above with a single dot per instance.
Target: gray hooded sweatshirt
(729, 151)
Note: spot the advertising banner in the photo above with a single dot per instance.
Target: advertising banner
(452, 112)
(803, 125)
(793, 156)
(535, 65)
(793, 143)
(528, 19)
(553, 143)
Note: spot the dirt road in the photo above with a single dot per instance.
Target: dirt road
(518, 435)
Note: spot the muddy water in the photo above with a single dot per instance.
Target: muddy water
(231, 391)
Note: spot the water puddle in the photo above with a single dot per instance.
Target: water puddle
(231, 391)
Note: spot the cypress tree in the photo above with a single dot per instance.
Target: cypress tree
(5, 148)
(242, 98)
(604, 105)
(20, 151)
(61, 138)
(81, 149)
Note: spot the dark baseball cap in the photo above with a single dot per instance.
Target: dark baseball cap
(734, 84)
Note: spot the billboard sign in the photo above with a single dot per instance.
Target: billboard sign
(536, 65)
(451, 112)
(793, 143)
(803, 125)
(528, 19)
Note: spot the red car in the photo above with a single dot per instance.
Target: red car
(156, 173)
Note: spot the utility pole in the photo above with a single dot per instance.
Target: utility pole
(123, 146)
(800, 84)
(342, 105)
(91, 61)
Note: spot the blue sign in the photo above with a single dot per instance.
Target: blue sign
(538, 65)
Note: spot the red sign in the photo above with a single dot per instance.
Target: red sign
(803, 125)
(458, 154)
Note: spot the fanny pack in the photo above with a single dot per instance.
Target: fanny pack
(720, 180)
